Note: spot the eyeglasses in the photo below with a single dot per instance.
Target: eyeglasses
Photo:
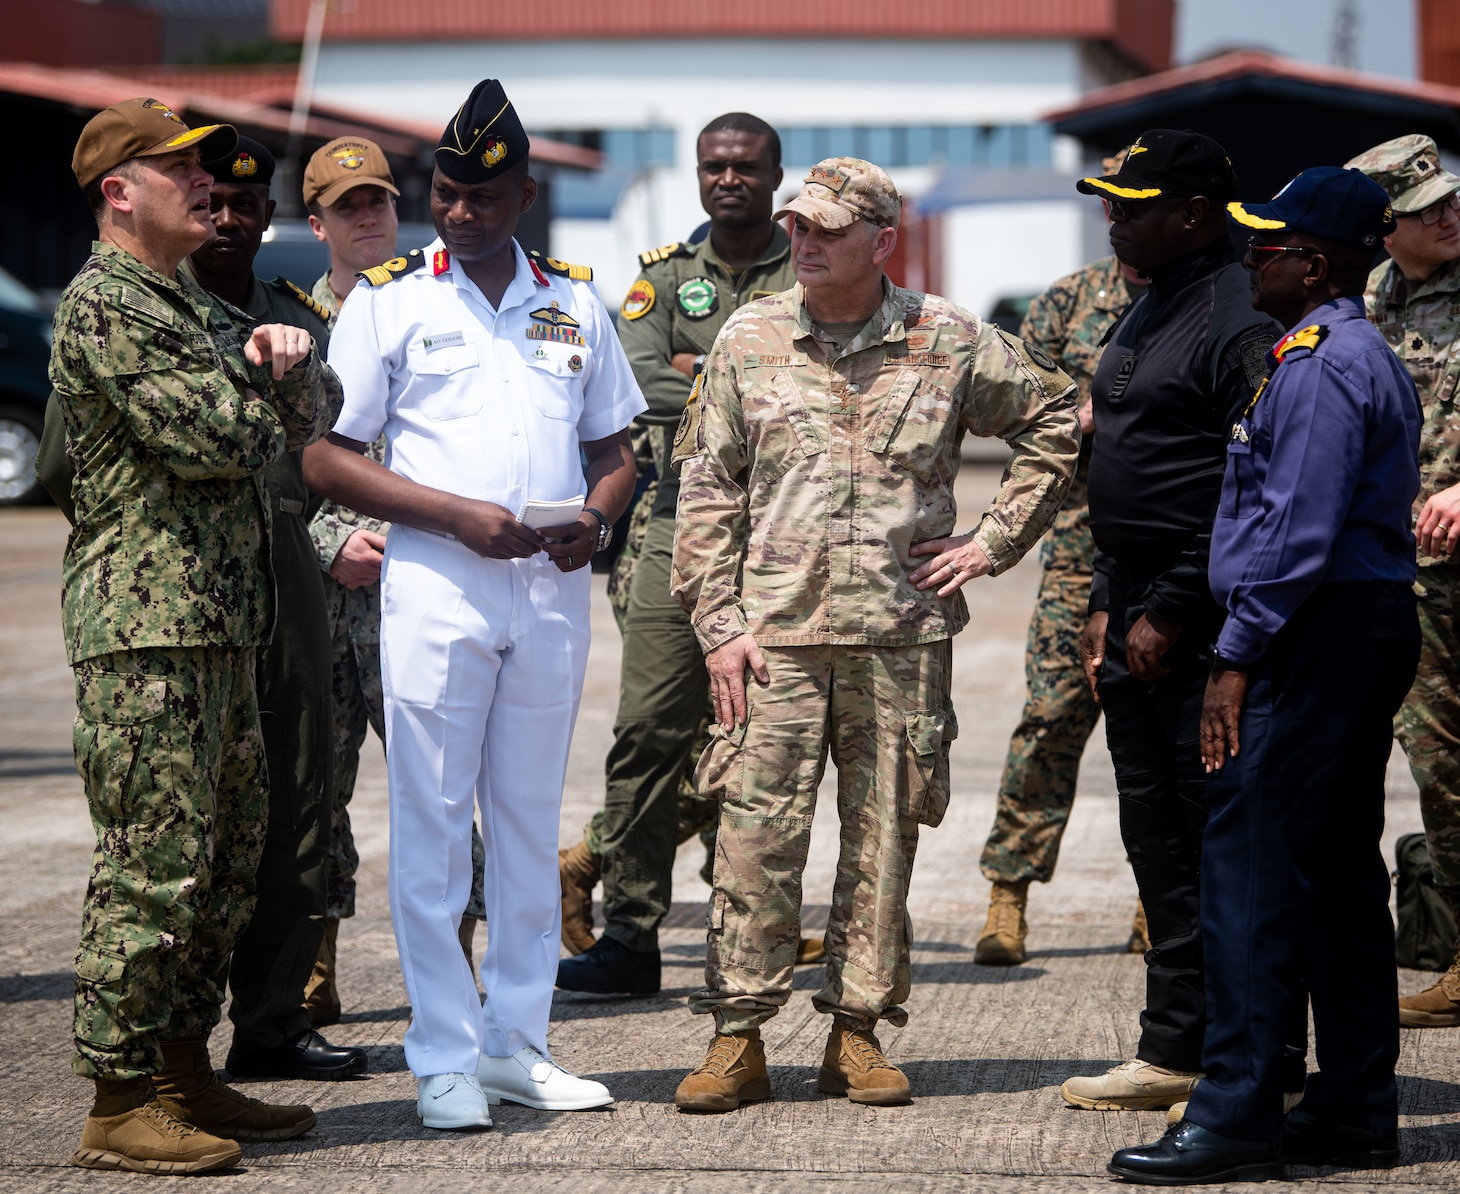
(1253, 247)
(1435, 212)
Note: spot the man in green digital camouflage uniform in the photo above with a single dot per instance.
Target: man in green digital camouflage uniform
(1414, 299)
(667, 324)
(815, 550)
(172, 412)
(350, 194)
(1037, 790)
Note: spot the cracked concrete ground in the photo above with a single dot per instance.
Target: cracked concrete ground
(985, 1049)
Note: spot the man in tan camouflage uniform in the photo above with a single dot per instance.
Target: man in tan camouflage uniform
(826, 428)
(350, 193)
(171, 417)
(667, 323)
(1414, 299)
(1037, 791)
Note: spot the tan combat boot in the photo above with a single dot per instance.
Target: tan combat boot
(1002, 941)
(189, 1089)
(1437, 1006)
(1140, 937)
(854, 1065)
(810, 950)
(733, 1072)
(321, 996)
(579, 870)
(129, 1129)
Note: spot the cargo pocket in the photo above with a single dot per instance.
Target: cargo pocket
(924, 797)
(122, 739)
(721, 771)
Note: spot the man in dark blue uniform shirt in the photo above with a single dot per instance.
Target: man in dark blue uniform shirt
(1313, 558)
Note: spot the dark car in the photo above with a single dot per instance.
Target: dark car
(1009, 312)
(25, 353)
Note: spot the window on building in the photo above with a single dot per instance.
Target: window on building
(996, 146)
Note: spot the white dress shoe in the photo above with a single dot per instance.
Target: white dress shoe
(529, 1078)
(452, 1102)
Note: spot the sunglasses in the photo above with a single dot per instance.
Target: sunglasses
(1250, 259)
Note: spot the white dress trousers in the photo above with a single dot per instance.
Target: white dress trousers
(483, 665)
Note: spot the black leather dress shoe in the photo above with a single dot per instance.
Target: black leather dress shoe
(1189, 1155)
(1308, 1140)
(611, 968)
(308, 1056)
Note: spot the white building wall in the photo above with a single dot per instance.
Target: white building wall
(684, 84)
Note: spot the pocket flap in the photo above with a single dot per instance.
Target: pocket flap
(894, 406)
(929, 730)
(121, 700)
(100, 966)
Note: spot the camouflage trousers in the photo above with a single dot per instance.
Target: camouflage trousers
(1038, 787)
(1428, 724)
(884, 716)
(168, 745)
(359, 702)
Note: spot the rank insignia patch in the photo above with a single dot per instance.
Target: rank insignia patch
(639, 300)
(440, 262)
(697, 298)
(554, 315)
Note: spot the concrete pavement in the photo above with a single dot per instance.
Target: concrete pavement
(985, 1049)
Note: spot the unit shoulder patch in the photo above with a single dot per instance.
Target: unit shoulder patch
(665, 252)
(578, 273)
(396, 267)
(304, 298)
(639, 301)
(688, 435)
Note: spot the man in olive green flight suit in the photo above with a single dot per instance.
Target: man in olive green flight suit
(668, 322)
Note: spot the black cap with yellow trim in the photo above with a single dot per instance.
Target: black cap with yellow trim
(484, 139)
(1165, 163)
(1344, 206)
(141, 128)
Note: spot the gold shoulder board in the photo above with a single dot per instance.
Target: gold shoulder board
(579, 273)
(306, 300)
(663, 253)
(379, 275)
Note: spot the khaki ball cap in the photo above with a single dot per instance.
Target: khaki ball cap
(141, 128)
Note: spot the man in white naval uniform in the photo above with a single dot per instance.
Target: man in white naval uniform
(487, 370)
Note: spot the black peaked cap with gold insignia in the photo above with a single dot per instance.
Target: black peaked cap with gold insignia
(484, 138)
(250, 162)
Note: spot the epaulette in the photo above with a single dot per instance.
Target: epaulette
(1309, 337)
(579, 273)
(379, 275)
(664, 253)
(306, 300)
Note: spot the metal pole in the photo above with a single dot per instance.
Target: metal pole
(290, 194)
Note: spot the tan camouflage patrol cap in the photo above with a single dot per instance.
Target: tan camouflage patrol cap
(342, 165)
(1409, 170)
(839, 190)
(141, 128)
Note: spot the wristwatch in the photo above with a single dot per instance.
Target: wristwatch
(1221, 663)
(605, 528)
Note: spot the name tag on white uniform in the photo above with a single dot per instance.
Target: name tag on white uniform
(439, 340)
